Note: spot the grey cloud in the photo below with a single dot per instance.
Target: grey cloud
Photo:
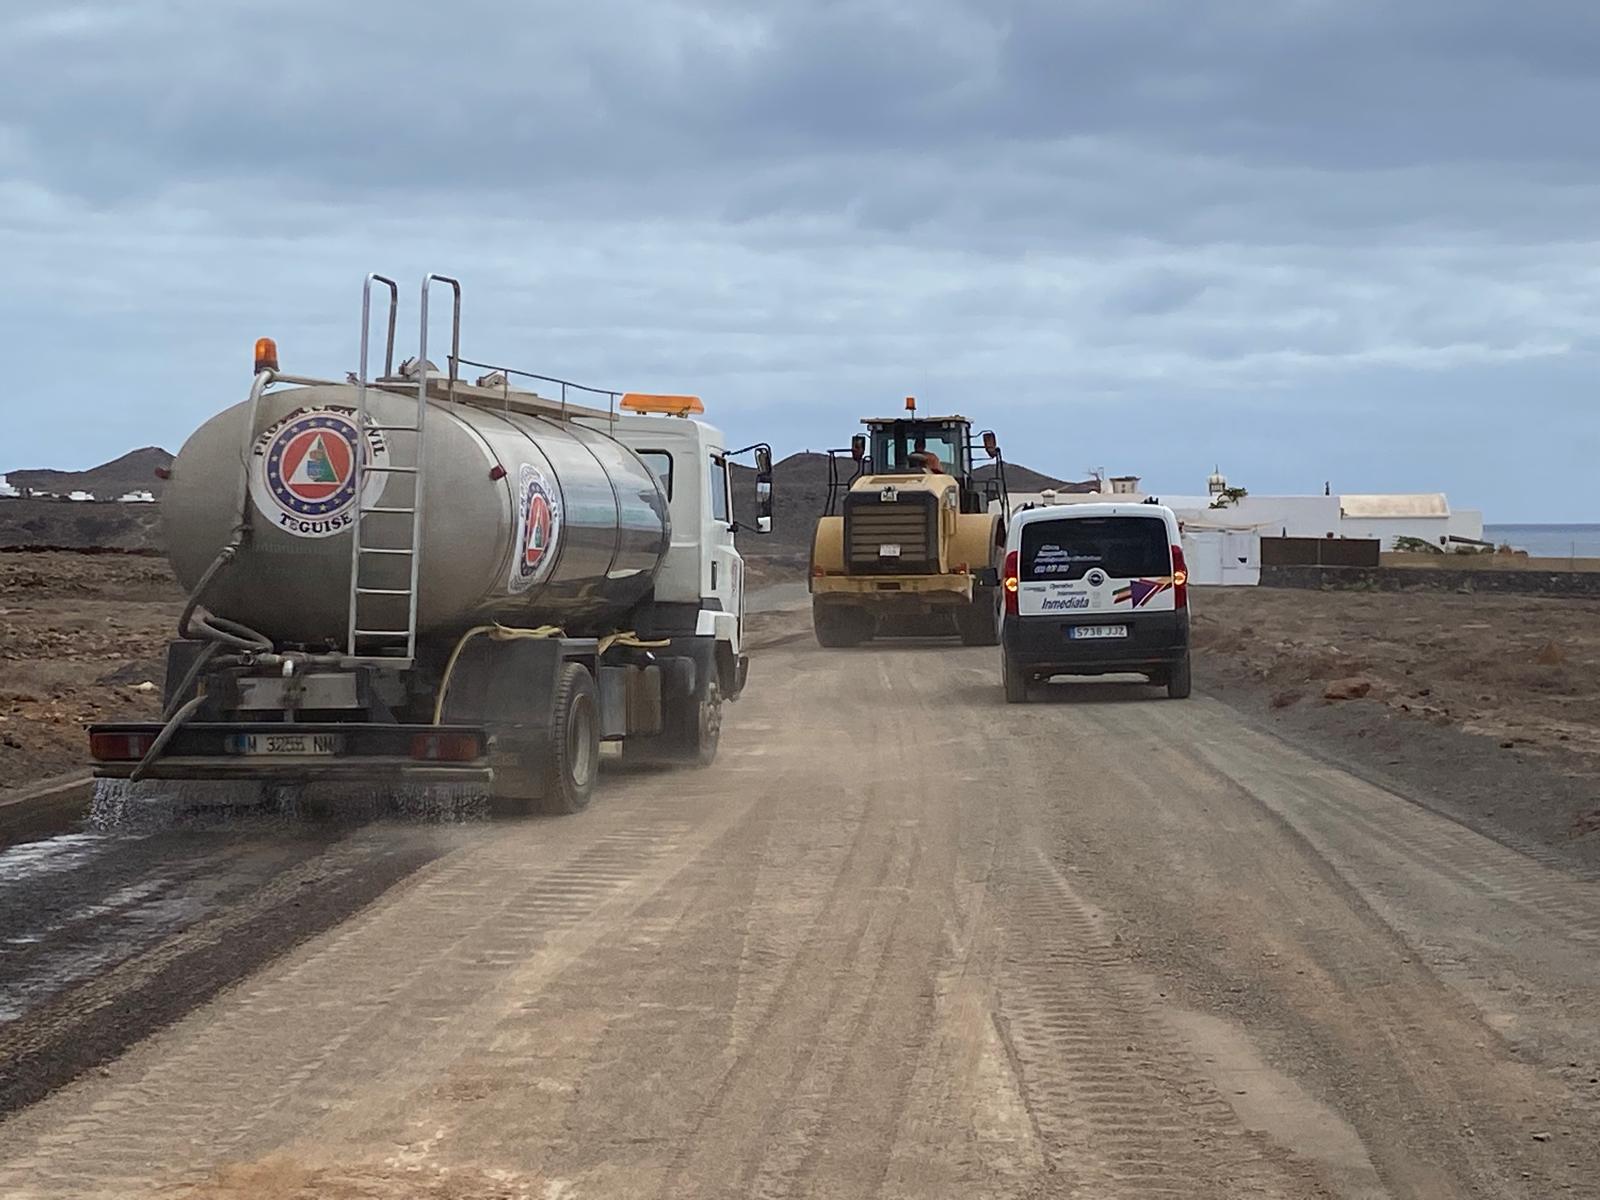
(805, 206)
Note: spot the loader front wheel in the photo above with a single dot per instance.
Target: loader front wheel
(979, 622)
(838, 627)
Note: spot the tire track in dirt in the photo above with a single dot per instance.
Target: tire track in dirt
(1120, 1104)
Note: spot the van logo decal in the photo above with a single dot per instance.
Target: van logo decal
(1139, 591)
(1095, 577)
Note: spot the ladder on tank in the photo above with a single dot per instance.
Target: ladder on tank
(374, 635)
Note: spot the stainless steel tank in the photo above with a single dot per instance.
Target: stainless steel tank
(526, 520)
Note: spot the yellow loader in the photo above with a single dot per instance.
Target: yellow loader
(911, 542)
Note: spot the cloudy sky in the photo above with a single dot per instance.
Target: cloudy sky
(1352, 240)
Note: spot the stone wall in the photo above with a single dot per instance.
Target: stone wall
(1439, 579)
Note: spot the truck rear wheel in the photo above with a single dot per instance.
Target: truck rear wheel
(979, 622)
(838, 626)
(573, 757)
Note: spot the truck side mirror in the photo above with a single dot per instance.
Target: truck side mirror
(858, 447)
(763, 490)
(991, 446)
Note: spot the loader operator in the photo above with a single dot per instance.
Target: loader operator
(923, 459)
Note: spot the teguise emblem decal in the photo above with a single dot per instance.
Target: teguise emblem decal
(538, 529)
(302, 476)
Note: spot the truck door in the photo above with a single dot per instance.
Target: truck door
(726, 584)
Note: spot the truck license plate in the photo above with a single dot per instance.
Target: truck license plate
(288, 745)
(889, 550)
(1080, 632)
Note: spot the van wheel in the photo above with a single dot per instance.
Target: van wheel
(837, 627)
(1015, 681)
(573, 759)
(979, 622)
(1179, 682)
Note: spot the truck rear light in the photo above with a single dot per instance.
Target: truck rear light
(120, 747)
(1011, 582)
(446, 747)
(1180, 578)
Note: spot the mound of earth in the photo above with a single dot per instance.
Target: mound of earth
(135, 471)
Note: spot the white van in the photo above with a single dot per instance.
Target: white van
(1095, 589)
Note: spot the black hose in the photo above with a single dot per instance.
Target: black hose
(165, 736)
(207, 653)
(218, 632)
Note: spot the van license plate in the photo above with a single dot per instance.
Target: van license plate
(889, 550)
(288, 745)
(1081, 632)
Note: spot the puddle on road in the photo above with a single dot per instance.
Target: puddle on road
(158, 858)
(123, 807)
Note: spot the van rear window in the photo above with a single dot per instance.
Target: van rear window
(1122, 547)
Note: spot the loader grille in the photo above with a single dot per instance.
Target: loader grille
(909, 522)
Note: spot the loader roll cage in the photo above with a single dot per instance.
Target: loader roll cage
(894, 439)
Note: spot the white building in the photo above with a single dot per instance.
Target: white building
(1222, 534)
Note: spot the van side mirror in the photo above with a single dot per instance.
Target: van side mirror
(858, 447)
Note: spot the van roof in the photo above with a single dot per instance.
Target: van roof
(1078, 512)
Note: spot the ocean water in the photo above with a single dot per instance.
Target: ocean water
(1548, 541)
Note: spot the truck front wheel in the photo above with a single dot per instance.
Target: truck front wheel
(694, 729)
(691, 731)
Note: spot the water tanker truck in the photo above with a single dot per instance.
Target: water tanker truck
(413, 578)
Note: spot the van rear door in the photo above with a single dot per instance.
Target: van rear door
(1108, 564)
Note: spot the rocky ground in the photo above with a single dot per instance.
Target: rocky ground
(1489, 704)
(80, 638)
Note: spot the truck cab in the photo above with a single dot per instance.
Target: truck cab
(700, 585)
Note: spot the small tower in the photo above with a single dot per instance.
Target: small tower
(1218, 483)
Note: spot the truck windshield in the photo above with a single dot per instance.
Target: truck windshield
(1122, 547)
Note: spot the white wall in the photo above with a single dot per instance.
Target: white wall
(1466, 522)
(1274, 516)
(1387, 529)
(1217, 557)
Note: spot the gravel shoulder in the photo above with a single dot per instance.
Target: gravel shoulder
(1486, 708)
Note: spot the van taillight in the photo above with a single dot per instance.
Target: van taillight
(1180, 577)
(1010, 583)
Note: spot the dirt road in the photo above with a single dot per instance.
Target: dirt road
(901, 941)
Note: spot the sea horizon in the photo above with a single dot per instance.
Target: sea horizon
(1547, 539)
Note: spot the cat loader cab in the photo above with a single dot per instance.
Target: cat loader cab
(911, 540)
